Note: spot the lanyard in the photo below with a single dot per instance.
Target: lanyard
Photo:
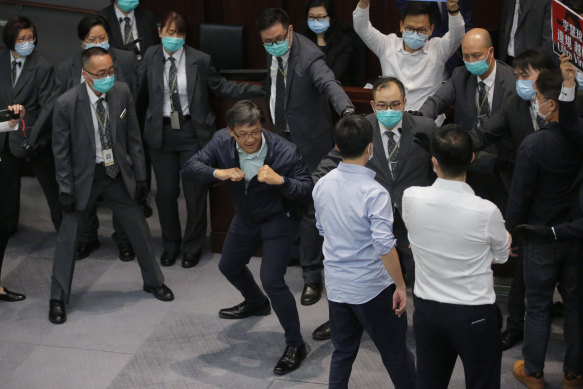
(484, 100)
(126, 39)
(281, 70)
(392, 152)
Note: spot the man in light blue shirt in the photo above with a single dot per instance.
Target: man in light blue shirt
(364, 282)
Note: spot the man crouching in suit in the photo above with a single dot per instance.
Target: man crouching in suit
(98, 152)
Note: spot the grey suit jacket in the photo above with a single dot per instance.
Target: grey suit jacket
(201, 77)
(74, 141)
(68, 72)
(310, 85)
(533, 30)
(34, 91)
(414, 163)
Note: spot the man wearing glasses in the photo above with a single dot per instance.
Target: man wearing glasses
(269, 185)
(98, 152)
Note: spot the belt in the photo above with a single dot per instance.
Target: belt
(166, 120)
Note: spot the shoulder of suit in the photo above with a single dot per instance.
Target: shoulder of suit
(505, 71)
(418, 123)
(152, 51)
(64, 65)
(191, 52)
(40, 60)
(123, 55)
(71, 95)
(308, 48)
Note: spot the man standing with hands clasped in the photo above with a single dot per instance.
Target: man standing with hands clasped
(364, 282)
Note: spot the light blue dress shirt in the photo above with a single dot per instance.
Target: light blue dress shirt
(250, 163)
(355, 217)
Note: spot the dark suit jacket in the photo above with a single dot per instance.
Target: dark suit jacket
(414, 163)
(201, 77)
(338, 56)
(74, 141)
(310, 85)
(34, 91)
(68, 72)
(145, 23)
(533, 30)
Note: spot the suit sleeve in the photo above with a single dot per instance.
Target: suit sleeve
(200, 166)
(494, 129)
(62, 148)
(221, 87)
(46, 80)
(327, 164)
(569, 123)
(439, 103)
(298, 184)
(325, 82)
(574, 229)
(523, 186)
(134, 141)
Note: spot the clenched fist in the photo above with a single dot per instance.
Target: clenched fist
(267, 175)
(233, 174)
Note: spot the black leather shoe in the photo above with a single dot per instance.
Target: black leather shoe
(162, 293)
(168, 259)
(11, 296)
(148, 211)
(245, 310)
(126, 252)
(57, 314)
(190, 260)
(311, 293)
(290, 360)
(509, 339)
(322, 332)
(84, 249)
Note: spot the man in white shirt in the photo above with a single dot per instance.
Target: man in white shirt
(455, 237)
(414, 59)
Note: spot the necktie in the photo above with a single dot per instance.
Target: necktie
(483, 106)
(13, 73)
(173, 88)
(393, 149)
(105, 136)
(280, 119)
(128, 35)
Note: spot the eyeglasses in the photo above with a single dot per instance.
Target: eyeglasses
(395, 105)
(318, 18)
(252, 134)
(421, 30)
(278, 40)
(23, 39)
(110, 72)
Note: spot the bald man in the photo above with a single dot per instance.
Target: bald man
(477, 91)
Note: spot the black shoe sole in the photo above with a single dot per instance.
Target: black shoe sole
(311, 301)
(259, 313)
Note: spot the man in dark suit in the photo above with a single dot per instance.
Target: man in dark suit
(98, 152)
(477, 90)
(132, 27)
(299, 88)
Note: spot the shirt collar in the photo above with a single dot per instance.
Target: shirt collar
(255, 154)
(489, 81)
(352, 168)
(453, 186)
(284, 58)
(120, 14)
(177, 54)
(93, 97)
(20, 59)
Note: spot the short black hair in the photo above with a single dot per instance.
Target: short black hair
(549, 84)
(416, 8)
(244, 112)
(270, 17)
(382, 82)
(179, 21)
(90, 53)
(575, 5)
(451, 146)
(87, 23)
(352, 135)
(13, 27)
(537, 59)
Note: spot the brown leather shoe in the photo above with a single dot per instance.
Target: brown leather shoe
(572, 381)
(531, 382)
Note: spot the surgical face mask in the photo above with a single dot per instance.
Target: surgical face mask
(537, 109)
(172, 43)
(103, 84)
(478, 68)
(104, 45)
(24, 49)
(128, 5)
(414, 40)
(370, 153)
(319, 26)
(277, 49)
(579, 80)
(525, 89)
(390, 117)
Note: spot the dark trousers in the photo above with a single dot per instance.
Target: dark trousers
(311, 258)
(128, 212)
(387, 331)
(545, 265)
(515, 321)
(276, 235)
(444, 331)
(403, 249)
(89, 227)
(9, 197)
(177, 147)
(43, 163)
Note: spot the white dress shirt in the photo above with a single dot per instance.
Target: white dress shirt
(273, 69)
(422, 71)
(93, 98)
(18, 68)
(181, 80)
(132, 16)
(455, 236)
(510, 50)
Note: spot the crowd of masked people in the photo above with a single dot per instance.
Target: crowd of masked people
(371, 204)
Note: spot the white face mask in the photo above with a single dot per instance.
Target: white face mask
(537, 109)
(369, 151)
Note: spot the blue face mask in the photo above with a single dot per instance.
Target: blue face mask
(24, 49)
(277, 49)
(579, 80)
(128, 5)
(390, 117)
(319, 26)
(478, 68)
(103, 45)
(525, 89)
(414, 40)
(171, 43)
(103, 84)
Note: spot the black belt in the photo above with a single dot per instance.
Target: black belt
(167, 120)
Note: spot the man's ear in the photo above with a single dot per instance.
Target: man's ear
(435, 164)
(473, 157)
(372, 105)
(430, 31)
